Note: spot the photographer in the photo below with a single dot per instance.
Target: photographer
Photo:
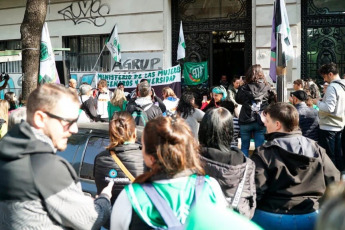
(5, 77)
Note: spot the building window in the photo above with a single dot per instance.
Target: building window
(326, 7)
(210, 9)
(12, 66)
(323, 36)
(85, 51)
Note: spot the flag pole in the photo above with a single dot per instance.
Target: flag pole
(98, 58)
(281, 73)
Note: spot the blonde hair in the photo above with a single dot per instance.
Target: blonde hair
(4, 106)
(168, 92)
(118, 98)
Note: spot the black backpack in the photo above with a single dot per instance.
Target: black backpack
(140, 114)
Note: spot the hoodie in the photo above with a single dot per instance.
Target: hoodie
(171, 104)
(40, 190)
(247, 95)
(228, 169)
(291, 173)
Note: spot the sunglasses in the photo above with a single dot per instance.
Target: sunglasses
(70, 122)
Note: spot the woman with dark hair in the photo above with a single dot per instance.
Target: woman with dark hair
(187, 110)
(171, 153)
(228, 165)
(122, 133)
(254, 96)
(11, 98)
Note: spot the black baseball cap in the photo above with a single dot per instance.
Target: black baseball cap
(300, 94)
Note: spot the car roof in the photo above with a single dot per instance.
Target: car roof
(103, 127)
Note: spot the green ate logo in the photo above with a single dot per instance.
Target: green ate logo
(44, 51)
(196, 73)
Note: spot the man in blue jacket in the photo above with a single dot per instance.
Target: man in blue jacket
(308, 119)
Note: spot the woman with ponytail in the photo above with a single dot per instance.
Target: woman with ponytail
(170, 151)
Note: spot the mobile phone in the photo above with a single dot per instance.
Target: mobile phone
(204, 98)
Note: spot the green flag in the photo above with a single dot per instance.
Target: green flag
(181, 48)
(113, 44)
(195, 73)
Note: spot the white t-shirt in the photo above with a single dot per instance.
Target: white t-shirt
(102, 104)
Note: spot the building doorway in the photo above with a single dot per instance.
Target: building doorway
(228, 55)
(217, 31)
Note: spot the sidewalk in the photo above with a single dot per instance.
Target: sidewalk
(251, 147)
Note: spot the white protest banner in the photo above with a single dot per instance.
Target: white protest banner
(48, 72)
(158, 79)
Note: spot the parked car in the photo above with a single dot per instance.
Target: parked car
(83, 147)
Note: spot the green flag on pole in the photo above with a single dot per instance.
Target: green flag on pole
(195, 73)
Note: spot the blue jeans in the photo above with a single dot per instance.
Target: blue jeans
(246, 134)
(268, 220)
(331, 142)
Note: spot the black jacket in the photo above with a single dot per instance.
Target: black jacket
(40, 190)
(90, 107)
(291, 174)
(228, 169)
(249, 93)
(308, 121)
(130, 155)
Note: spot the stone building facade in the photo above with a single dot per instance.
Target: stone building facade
(230, 34)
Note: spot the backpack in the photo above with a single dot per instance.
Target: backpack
(140, 114)
(165, 210)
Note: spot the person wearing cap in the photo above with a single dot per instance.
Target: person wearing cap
(297, 85)
(308, 117)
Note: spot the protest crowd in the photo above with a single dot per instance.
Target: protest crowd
(238, 159)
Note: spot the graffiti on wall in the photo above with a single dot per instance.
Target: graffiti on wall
(91, 12)
(14, 85)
